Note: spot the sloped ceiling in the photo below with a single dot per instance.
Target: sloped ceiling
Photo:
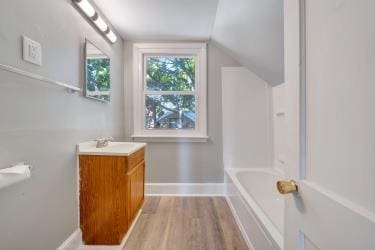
(161, 19)
(252, 32)
(249, 30)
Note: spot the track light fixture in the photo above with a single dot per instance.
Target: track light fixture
(86, 7)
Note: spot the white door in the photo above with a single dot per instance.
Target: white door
(330, 58)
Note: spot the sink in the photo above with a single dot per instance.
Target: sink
(113, 148)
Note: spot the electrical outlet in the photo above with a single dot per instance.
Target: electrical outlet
(32, 51)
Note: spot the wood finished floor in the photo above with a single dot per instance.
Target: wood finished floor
(185, 223)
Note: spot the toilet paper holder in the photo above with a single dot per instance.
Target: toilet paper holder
(14, 174)
(22, 163)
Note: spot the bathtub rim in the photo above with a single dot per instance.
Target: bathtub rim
(266, 224)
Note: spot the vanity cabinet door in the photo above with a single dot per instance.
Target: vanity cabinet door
(103, 217)
(135, 181)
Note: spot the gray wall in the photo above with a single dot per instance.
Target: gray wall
(41, 124)
(185, 162)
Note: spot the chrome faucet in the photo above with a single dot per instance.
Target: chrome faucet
(103, 142)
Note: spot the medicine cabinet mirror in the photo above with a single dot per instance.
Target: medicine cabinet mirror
(97, 73)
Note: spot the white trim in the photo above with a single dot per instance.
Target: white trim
(131, 228)
(169, 138)
(185, 189)
(73, 242)
(239, 224)
(198, 50)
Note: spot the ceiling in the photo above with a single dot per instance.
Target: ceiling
(161, 19)
(251, 31)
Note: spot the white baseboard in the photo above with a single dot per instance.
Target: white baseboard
(74, 241)
(185, 189)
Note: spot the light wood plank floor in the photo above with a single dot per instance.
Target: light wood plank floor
(185, 223)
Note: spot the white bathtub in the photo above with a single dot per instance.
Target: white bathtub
(258, 207)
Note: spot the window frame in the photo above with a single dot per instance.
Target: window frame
(143, 50)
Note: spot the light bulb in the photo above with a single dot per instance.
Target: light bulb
(86, 7)
(111, 36)
(99, 22)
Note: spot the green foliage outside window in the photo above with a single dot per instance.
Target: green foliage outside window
(98, 75)
(170, 74)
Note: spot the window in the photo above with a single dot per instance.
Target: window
(170, 90)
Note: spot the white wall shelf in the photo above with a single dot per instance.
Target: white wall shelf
(24, 73)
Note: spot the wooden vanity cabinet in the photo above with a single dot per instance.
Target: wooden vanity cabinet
(135, 181)
(111, 194)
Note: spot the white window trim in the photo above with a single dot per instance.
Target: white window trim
(198, 50)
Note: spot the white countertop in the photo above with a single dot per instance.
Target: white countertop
(113, 148)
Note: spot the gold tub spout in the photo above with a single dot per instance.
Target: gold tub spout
(287, 187)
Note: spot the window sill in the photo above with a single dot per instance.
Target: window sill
(168, 138)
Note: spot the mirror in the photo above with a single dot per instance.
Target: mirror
(97, 73)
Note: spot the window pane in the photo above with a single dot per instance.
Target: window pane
(170, 112)
(170, 73)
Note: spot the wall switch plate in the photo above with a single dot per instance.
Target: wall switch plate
(32, 51)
